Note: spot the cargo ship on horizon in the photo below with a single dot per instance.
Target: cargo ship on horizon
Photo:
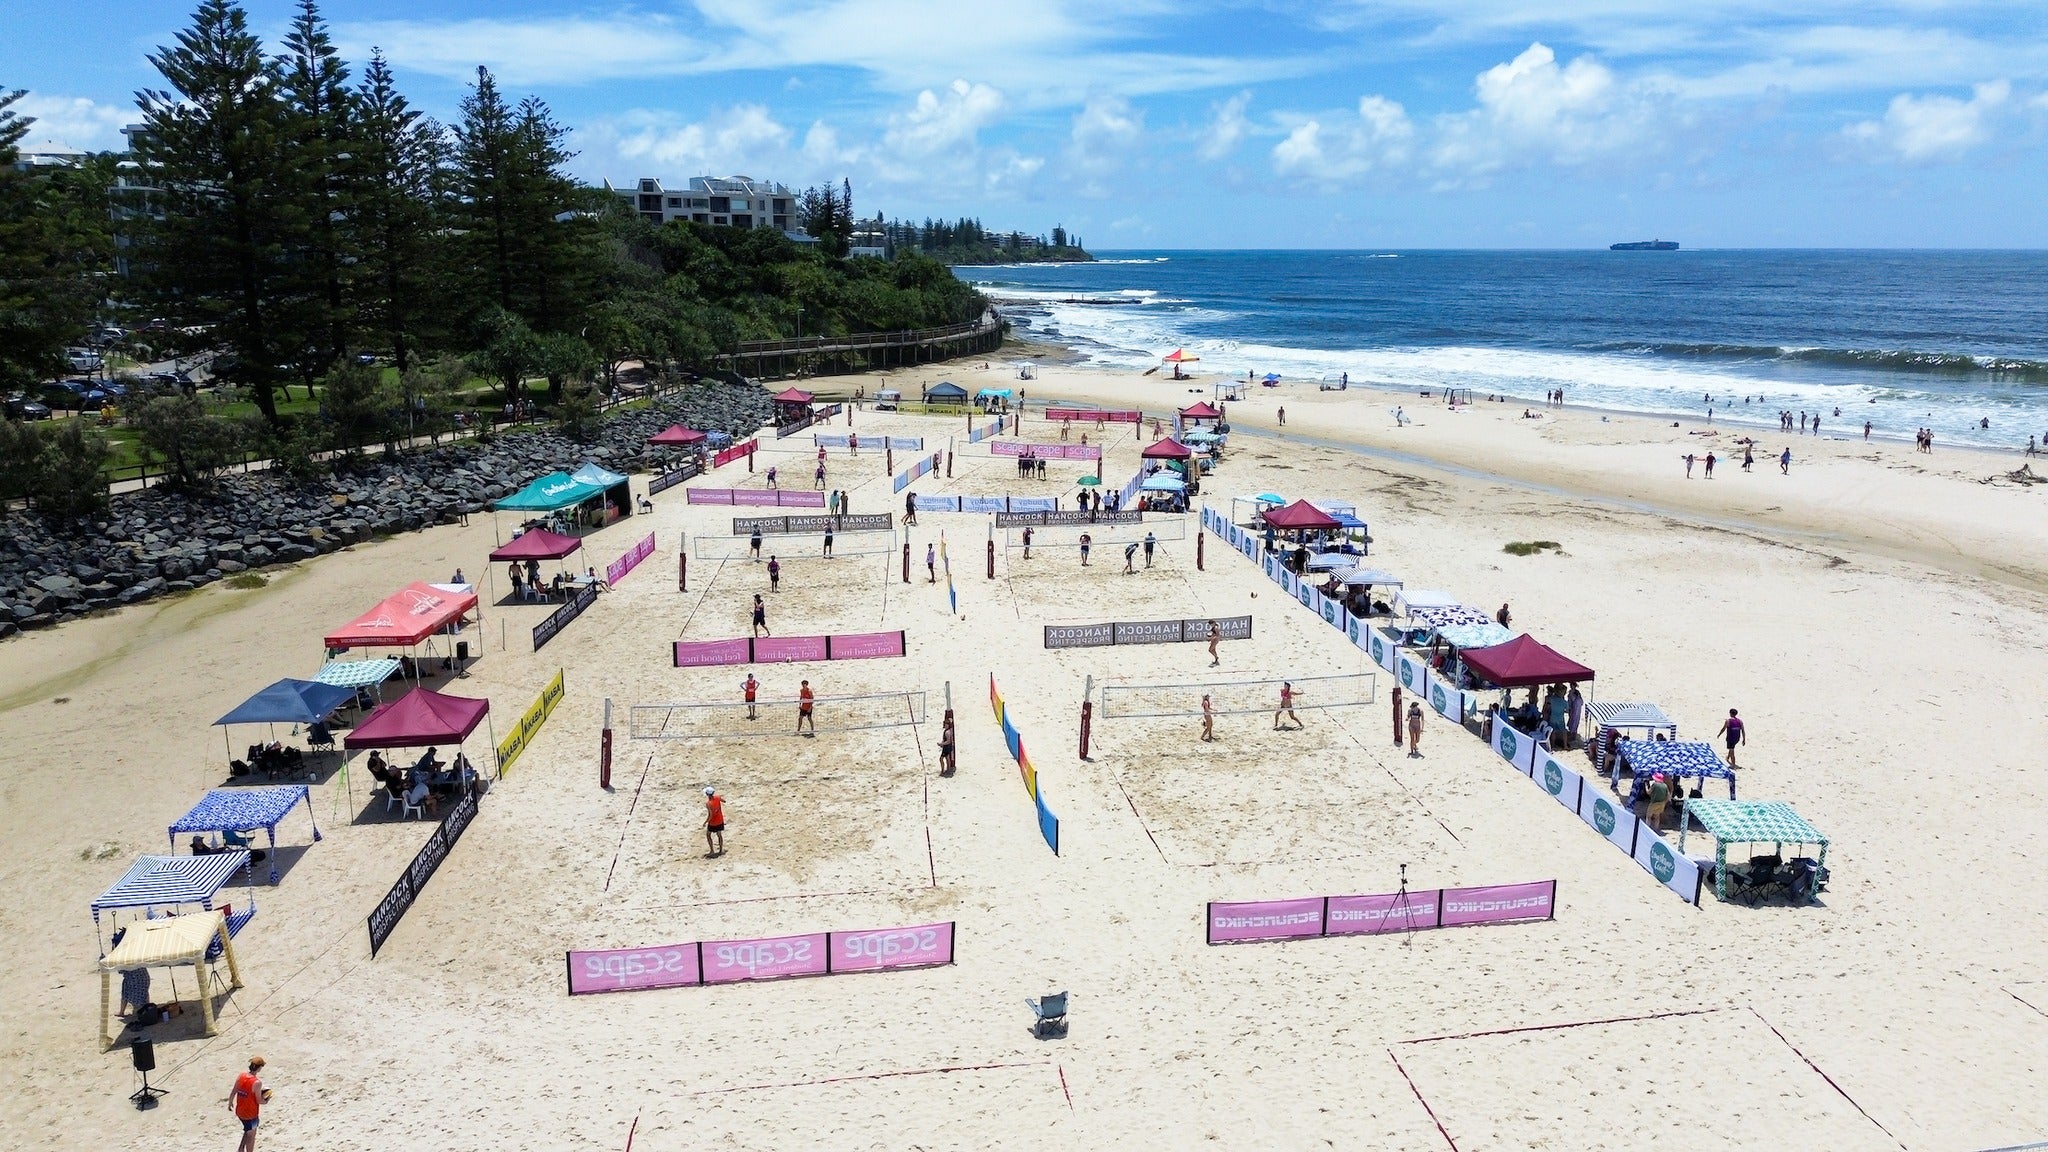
(1645, 246)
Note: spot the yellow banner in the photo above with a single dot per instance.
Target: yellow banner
(536, 715)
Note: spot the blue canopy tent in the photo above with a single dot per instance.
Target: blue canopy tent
(240, 810)
(154, 882)
(286, 702)
(1674, 758)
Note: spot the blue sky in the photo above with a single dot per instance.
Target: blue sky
(1183, 123)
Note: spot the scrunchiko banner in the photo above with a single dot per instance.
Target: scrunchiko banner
(772, 958)
(1247, 921)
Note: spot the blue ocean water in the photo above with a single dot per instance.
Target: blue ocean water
(1904, 340)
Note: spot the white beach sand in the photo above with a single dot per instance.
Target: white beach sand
(1878, 616)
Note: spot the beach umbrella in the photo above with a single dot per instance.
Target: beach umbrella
(1180, 356)
(1269, 498)
(1271, 378)
(1089, 481)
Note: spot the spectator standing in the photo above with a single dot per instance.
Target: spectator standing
(247, 1100)
(1733, 731)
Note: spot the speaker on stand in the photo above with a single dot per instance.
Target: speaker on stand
(142, 1052)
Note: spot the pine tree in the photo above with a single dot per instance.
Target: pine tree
(396, 185)
(321, 139)
(221, 238)
(54, 238)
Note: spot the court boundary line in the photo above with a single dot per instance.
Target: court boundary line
(627, 823)
(939, 1071)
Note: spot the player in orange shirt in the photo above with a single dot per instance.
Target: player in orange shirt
(714, 822)
(247, 1100)
(804, 700)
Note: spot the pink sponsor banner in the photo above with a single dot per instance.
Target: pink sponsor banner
(866, 645)
(1265, 920)
(1386, 912)
(736, 452)
(1498, 903)
(918, 947)
(799, 498)
(1100, 416)
(778, 649)
(633, 969)
(1046, 451)
(730, 961)
(702, 653)
(617, 569)
(707, 495)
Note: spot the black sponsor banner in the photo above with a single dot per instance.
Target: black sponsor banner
(793, 427)
(1145, 632)
(783, 525)
(673, 477)
(390, 910)
(1068, 518)
(559, 619)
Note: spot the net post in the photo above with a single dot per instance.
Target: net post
(604, 754)
(991, 555)
(1199, 534)
(949, 462)
(682, 566)
(1397, 715)
(1087, 714)
(906, 559)
(889, 459)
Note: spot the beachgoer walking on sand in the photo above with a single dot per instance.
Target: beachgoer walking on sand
(1286, 707)
(931, 564)
(1086, 541)
(247, 1100)
(750, 688)
(1785, 462)
(805, 700)
(774, 574)
(1150, 540)
(1688, 465)
(1208, 719)
(1710, 465)
(1503, 617)
(1130, 553)
(946, 747)
(1283, 417)
(1816, 423)
(1215, 635)
(714, 823)
(761, 617)
(1748, 457)
(1866, 430)
(754, 546)
(1732, 729)
(1414, 730)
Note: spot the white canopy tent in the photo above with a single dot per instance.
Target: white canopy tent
(168, 943)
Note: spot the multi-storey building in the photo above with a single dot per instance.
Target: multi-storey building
(729, 202)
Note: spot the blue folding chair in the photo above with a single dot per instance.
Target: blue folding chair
(1051, 1014)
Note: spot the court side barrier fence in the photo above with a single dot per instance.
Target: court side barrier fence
(1067, 519)
(876, 443)
(924, 467)
(619, 569)
(398, 901)
(757, 497)
(771, 958)
(687, 470)
(996, 504)
(791, 525)
(1406, 911)
(562, 617)
(994, 428)
(1046, 451)
(784, 649)
(1145, 632)
(1048, 824)
(536, 714)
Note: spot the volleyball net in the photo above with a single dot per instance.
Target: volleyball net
(728, 719)
(1230, 697)
(1099, 535)
(794, 544)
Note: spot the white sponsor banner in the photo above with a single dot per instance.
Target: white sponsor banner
(1380, 648)
(1409, 672)
(1605, 814)
(1519, 749)
(1673, 871)
(1446, 701)
(1355, 630)
(1563, 784)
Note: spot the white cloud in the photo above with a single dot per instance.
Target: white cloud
(525, 52)
(822, 148)
(944, 123)
(74, 122)
(1533, 109)
(1227, 125)
(1376, 139)
(1921, 129)
(744, 138)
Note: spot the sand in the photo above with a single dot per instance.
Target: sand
(1878, 616)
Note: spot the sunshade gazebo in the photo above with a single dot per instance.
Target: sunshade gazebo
(1301, 516)
(1675, 759)
(538, 544)
(403, 619)
(1625, 716)
(550, 493)
(1178, 357)
(1748, 822)
(422, 718)
(169, 881)
(945, 392)
(245, 810)
(676, 436)
(1524, 662)
(1163, 482)
(168, 943)
(1200, 410)
(1167, 449)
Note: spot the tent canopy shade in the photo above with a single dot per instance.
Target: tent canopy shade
(1164, 482)
(418, 719)
(597, 476)
(792, 396)
(550, 493)
(1628, 714)
(357, 673)
(1180, 356)
(1167, 449)
(1200, 410)
(993, 394)
(1412, 598)
(162, 943)
(538, 544)
(246, 810)
(675, 435)
(945, 390)
(1373, 576)
(289, 702)
(407, 617)
(1524, 662)
(160, 881)
(1435, 616)
(1269, 498)
(1480, 635)
(1331, 561)
(1301, 515)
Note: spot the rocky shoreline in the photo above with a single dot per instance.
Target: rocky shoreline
(159, 541)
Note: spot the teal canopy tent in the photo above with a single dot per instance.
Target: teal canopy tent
(1748, 822)
(550, 493)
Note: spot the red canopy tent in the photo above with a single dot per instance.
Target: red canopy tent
(1302, 515)
(792, 396)
(419, 719)
(1168, 449)
(407, 617)
(1522, 663)
(538, 544)
(1201, 410)
(675, 436)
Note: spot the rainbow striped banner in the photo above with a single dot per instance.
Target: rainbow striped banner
(1048, 823)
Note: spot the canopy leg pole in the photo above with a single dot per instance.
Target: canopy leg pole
(106, 995)
(272, 833)
(206, 998)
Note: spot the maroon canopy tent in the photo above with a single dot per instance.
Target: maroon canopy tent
(1168, 449)
(675, 436)
(538, 544)
(420, 718)
(1524, 662)
(1302, 515)
(1200, 410)
(792, 396)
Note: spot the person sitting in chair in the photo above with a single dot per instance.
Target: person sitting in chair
(421, 795)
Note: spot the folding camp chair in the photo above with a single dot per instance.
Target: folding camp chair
(1051, 1013)
(1751, 882)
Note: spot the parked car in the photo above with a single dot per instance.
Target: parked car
(23, 408)
(83, 359)
(366, 359)
(74, 395)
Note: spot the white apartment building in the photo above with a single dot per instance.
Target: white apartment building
(730, 202)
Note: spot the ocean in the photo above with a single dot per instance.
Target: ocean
(1905, 340)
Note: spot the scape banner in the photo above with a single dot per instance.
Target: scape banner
(736, 452)
(1046, 451)
(618, 569)
(773, 958)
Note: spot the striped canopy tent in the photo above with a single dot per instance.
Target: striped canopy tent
(246, 810)
(1361, 577)
(195, 939)
(538, 544)
(167, 882)
(1410, 599)
(675, 436)
(1634, 719)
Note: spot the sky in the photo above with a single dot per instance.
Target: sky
(1148, 124)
